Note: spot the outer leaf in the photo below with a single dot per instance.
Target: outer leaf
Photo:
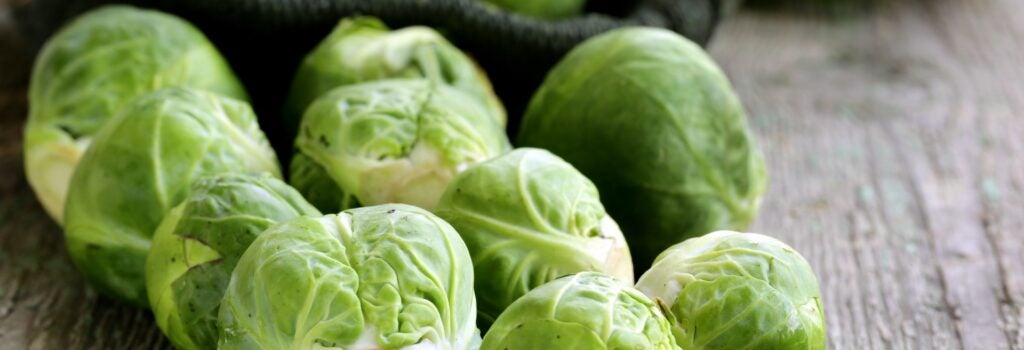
(393, 141)
(648, 117)
(383, 277)
(95, 65)
(140, 166)
(197, 246)
(318, 186)
(583, 311)
(730, 290)
(528, 217)
(362, 49)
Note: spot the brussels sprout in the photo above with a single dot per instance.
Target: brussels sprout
(549, 9)
(199, 242)
(529, 217)
(391, 141)
(140, 166)
(383, 277)
(362, 49)
(91, 68)
(648, 117)
(729, 290)
(586, 311)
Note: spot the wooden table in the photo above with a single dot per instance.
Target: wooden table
(895, 141)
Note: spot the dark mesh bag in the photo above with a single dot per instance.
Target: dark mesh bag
(265, 39)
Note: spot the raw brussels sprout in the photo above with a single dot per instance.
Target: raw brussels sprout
(647, 116)
(528, 217)
(199, 242)
(549, 9)
(140, 166)
(729, 290)
(391, 141)
(384, 277)
(91, 68)
(362, 49)
(586, 311)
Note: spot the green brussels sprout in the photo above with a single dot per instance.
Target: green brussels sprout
(730, 290)
(647, 116)
(140, 166)
(547, 9)
(362, 49)
(586, 311)
(92, 67)
(390, 141)
(199, 242)
(528, 217)
(384, 277)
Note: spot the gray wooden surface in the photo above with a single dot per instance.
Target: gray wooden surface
(895, 141)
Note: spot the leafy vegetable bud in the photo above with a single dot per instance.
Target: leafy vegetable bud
(363, 49)
(528, 217)
(585, 311)
(199, 242)
(730, 290)
(93, 67)
(546, 9)
(384, 277)
(140, 166)
(650, 118)
(392, 141)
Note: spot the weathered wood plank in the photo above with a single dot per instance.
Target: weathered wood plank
(896, 163)
(991, 49)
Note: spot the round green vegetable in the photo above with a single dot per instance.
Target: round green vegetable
(140, 166)
(391, 141)
(585, 311)
(91, 68)
(547, 9)
(730, 290)
(362, 49)
(199, 242)
(384, 277)
(647, 116)
(528, 217)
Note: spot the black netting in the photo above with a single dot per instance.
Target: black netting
(265, 39)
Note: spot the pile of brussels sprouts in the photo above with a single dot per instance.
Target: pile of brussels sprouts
(408, 220)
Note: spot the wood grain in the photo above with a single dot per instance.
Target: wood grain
(895, 144)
